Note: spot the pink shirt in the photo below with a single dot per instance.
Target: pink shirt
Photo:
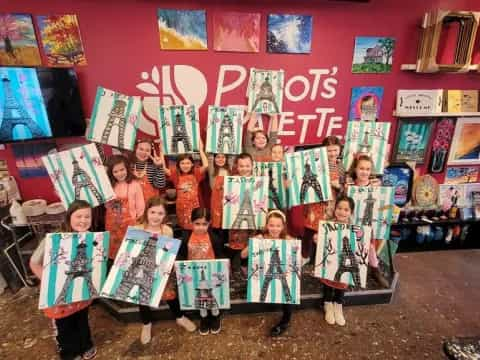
(134, 192)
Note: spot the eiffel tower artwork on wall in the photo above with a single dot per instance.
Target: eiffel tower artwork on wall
(179, 129)
(224, 130)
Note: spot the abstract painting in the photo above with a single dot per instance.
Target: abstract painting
(203, 284)
(465, 148)
(365, 103)
(265, 91)
(182, 29)
(342, 253)
(274, 271)
(74, 267)
(289, 34)
(28, 158)
(412, 139)
(61, 40)
(18, 44)
(276, 174)
(142, 267)
(236, 31)
(373, 54)
(224, 130)
(461, 175)
(400, 177)
(179, 129)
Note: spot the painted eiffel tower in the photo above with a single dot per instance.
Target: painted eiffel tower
(368, 212)
(116, 117)
(140, 272)
(275, 272)
(226, 135)
(309, 180)
(273, 193)
(79, 268)
(204, 298)
(365, 147)
(266, 94)
(348, 263)
(81, 179)
(245, 213)
(180, 135)
(14, 114)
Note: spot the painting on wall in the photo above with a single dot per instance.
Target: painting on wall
(182, 29)
(412, 139)
(465, 148)
(18, 44)
(289, 34)
(236, 31)
(365, 103)
(28, 158)
(373, 54)
(461, 175)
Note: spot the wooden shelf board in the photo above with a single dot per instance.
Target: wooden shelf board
(413, 67)
(442, 114)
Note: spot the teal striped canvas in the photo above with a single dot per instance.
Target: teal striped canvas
(74, 267)
(265, 91)
(179, 129)
(224, 130)
(342, 253)
(203, 284)
(277, 193)
(274, 271)
(142, 267)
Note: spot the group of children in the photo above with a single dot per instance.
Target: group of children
(139, 182)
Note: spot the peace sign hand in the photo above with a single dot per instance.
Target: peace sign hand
(157, 158)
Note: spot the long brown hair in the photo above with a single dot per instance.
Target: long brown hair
(133, 156)
(182, 157)
(74, 206)
(331, 140)
(216, 168)
(115, 160)
(153, 201)
(355, 162)
(278, 215)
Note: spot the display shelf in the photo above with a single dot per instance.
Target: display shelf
(435, 223)
(441, 114)
(413, 67)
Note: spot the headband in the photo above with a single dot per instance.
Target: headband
(278, 212)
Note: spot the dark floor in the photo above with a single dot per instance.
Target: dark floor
(437, 298)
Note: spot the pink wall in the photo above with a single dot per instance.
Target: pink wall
(121, 41)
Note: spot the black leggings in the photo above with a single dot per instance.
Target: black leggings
(331, 294)
(146, 312)
(73, 335)
(287, 313)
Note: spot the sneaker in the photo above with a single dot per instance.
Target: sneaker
(329, 316)
(146, 334)
(204, 328)
(215, 324)
(278, 329)
(338, 314)
(186, 323)
(90, 354)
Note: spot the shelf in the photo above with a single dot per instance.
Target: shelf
(435, 223)
(413, 67)
(441, 114)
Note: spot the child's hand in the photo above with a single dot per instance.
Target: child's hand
(157, 159)
(315, 237)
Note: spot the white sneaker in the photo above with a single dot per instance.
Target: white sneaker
(186, 323)
(146, 335)
(338, 314)
(329, 316)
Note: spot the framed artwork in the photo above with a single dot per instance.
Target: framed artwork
(465, 148)
(461, 175)
(342, 253)
(400, 177)
(274, 271)
(365, 103)
(289, 34)
(236, 31)
(182, 29)
(472, 192)
(373, 54)
(412, 139)
(451, 195)
(277, 193)
(203, 284)
(224, 130)
(440, 145)
(74, 267)
(265, 91)
(179, 129)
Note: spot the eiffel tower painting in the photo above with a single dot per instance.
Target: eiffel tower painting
(273, 190)
(204, 298)
(140, 272)
(226, 136)
(365, 147)
(80, 267)
(275, 272)
(266, 94)
(348, 263)
(80, 179)
(14, 114)
(367, 217)
(309, 180)
(116, 117)
(180, 135)
(245, 213)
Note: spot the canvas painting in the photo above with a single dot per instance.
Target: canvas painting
(79, 174)
(369, 138)
(274, 271)
(465, 148)
(182, 29)
(28, 158)
(461, 175)
(472, 192)
(61, 40)
(289, 34)
(276, 174)
(142, 267)
(373, 54)
(18, 45)
(365, 103)
(203, 284)
(115, 118)
(400, 177)
(412, 139)
(224, 130)
(26, 115)
(265, 91)
(309, 174)
(373, 207)
(179, 129)
(441, 144)
(451, 195)
(245, 202)
(342, 253)
(236, 31)
(74, 267)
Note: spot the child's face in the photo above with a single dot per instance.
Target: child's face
(275, 227)
(81, 220)
(200, 226)
(244, 167)
(332, 153)
(277, 153)
(119, 172)
(343, 212)
(156, 215)
(220, 160)
(363, 170)
(185, 166)
(260, 140)
(143, 151)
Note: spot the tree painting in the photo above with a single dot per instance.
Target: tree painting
(61, 40)
(373, 54)
(18, 44)
(387, 44)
